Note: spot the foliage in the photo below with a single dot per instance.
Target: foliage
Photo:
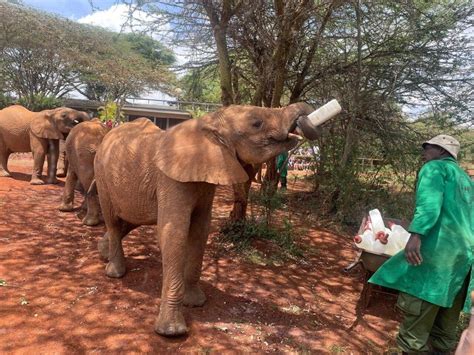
(64, 56)
(269, 200)
(39, 102)
(197, 112)
(5, 101)
(111, 112)
(152, 50)
(125, 67)
(242, 234)
(387, 62)
(201, 85)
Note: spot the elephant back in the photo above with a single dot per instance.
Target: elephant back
(124, 167)
(83, 141)
(15, 128)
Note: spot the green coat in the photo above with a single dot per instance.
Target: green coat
(283, 170)
(444, 218)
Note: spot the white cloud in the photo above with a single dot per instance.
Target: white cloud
(113, 18)
(117, 19)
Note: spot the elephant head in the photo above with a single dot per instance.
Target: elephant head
(215, 147)
(56, 123)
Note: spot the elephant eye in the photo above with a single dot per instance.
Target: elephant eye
(257, 124)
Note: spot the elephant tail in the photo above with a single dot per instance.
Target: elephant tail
(92, 189)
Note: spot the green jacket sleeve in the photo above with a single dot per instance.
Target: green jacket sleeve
(429, 197)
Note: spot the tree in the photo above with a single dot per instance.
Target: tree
(64, 56)
(376, 57)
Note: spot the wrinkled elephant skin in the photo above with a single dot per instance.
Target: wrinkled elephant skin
(168, 178)
(81, 146)
(22, 130)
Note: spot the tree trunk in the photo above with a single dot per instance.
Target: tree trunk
(227, 96)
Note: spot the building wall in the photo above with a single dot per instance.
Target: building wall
(163, 123)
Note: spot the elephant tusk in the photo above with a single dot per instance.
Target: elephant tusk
(292, 135)
(76, 121)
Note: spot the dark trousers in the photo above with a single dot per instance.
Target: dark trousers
(427, 324)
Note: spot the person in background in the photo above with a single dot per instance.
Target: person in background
(433, 274)
(282, 169)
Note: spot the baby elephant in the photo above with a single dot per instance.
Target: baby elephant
(81, 146)
(145, 176)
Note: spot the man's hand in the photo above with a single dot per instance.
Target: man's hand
(412, 250)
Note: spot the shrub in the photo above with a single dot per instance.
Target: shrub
(110, 113)
(40, 102)
(6, 101)
(242, 235)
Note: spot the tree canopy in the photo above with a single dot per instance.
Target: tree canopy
(389, 63)
(64, 56)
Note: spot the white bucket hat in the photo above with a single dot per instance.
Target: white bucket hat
(448, 143)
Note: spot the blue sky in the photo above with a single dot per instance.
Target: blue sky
(73, 9)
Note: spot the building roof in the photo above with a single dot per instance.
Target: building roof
(159, 111)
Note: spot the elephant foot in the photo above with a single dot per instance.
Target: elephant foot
(66, 207)
(4, 173)
(170, 324)
(115, 269)
(36, 181)
(194, 297)
(53, 181)
(91, 221)
(103, 246)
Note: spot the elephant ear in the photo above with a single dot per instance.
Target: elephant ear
(194, 151)
(43, 126)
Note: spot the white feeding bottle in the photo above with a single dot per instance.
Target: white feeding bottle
(306, 125)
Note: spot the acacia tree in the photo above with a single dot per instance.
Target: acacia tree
(32, 67)
(375, 57)
(126, 64)
(379, 57)
(64, 56)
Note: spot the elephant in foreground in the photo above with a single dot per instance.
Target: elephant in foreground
(81, 146)
(22, 130)
(146, 176)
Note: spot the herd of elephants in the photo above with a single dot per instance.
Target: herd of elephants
(137, 174)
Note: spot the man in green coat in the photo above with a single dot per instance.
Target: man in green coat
(282, 168)
(433, 274)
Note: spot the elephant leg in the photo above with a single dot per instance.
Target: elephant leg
(53, 156)
(198, 233)
(115, 233)
(172, 229)
(39, 147)
(92, 200)
(4, 155)
(92, 217)
(103, 246)
(68, 193)
(63, 163)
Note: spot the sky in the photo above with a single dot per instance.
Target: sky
(72, 9)
(110, 14)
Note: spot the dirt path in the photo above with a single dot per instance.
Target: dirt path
(57, 298)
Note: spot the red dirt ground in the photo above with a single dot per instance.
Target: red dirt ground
(57, 298)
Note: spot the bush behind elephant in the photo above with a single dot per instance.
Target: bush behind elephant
(146, 176)
(22, 130)
(81, 146)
